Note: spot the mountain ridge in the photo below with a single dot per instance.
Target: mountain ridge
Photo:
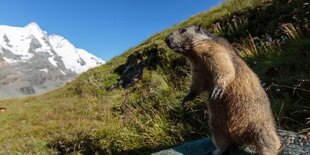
(36, 62)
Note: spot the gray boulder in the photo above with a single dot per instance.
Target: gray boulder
(292, 144)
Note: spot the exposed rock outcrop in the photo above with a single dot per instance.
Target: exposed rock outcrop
(292, 144)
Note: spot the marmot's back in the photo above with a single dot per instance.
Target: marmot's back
(246, 83)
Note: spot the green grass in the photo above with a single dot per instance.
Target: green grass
(95, 114)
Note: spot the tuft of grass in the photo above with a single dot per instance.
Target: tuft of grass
(292, 31)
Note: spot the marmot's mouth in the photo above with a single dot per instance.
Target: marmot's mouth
(176, 48)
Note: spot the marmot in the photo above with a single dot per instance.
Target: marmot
(239, 108)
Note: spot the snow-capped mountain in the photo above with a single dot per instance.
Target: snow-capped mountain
(32, 62)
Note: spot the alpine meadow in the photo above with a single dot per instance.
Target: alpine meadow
(132, 103)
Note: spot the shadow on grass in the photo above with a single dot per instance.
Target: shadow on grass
(87, 146)
(84, 146)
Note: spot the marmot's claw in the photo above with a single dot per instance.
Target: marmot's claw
(217, 93)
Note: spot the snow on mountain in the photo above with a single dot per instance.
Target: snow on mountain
(18, 41)
(32, 62)
(75, 59)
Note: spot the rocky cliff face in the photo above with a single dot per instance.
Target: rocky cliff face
(32, 62)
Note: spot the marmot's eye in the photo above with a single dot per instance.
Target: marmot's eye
(183, 30)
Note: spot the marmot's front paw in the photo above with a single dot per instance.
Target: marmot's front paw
(217, 93)
(188, 97)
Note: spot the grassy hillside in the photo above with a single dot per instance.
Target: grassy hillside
(131, 105)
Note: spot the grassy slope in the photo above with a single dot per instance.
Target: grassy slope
(95, 114)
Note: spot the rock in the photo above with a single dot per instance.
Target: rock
(3, 109)
(200, 147)
(292, 144)
(27, 90)
(131, 70)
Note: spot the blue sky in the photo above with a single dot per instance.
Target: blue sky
(105, 28)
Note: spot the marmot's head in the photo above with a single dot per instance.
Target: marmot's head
(183, 39)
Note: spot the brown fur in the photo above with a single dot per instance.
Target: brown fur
(242, 115)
